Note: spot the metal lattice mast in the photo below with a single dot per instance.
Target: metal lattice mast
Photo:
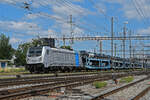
(124, 44)
(101, 48)
(112, 35)
(130, 46)
(115, 49)
(71, 29)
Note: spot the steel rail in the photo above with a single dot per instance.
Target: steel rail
(47, 79)
(10, 94)
(43, 81)
(35, 90)
(47, 76)
(23, 82)
(7, 94)
(103, 96)
(141, 94)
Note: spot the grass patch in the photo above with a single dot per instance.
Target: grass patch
(99, 84)
(12, 70)
(126, 79)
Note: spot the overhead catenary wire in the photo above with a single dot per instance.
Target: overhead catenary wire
(80, 13)
(60, 3)
(134, 2)
(99, 9)
(70, 6)
(142, 4)
(144, 7)
(140, 9)
(61, 19)
(53, 17)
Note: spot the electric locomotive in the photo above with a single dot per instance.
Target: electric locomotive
(45, 59)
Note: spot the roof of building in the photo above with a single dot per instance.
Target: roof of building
(4, 60)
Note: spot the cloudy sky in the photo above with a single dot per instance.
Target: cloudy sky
(23, 20)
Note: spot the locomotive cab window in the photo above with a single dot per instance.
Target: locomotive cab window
(35, 51)
(31, 52)
(38, 53)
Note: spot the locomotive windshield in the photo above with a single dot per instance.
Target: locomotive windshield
(35, 51)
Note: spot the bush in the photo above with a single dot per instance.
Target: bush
(126, 79)
(99, 84)
(66, 47)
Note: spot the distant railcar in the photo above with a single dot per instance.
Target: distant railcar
(97, 64)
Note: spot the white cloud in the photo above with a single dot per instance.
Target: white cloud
(101, 7)
(32, 16)
(74, 10)
(19, 34)
(60, 15)
(77, 0)
(22, 29)
(14, 40)
(18, 26)
(11, 1)
(129, 9)
(144, 31)
(61, 12)
(40, 3)
(44, 33)
(115, 1)
(55, 17)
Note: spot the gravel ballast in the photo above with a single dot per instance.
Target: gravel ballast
(89, 91)
(146, 96)
(129, 93)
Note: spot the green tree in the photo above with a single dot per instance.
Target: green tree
(6, 50)
(21, 54)
(22, 51)
(36, 42)
(66, 47)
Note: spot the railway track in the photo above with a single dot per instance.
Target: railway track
(13, 93)
(44, 79)
(51, 76)
(33, 90)
(37, 81)
(43, 76)
(141, 94)
(16, 93)
(103, 96)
